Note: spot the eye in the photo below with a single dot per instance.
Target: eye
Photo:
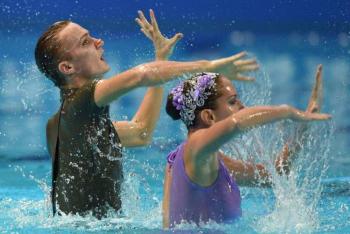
(232, 101)
(85, 42)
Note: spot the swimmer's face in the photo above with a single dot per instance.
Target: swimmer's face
(83, 53)
(228, 103)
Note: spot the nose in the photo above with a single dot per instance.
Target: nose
(98, 43)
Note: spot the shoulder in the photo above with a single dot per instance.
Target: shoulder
(52, 123)
(51, 133)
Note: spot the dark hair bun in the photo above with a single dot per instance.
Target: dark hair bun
(171, 109)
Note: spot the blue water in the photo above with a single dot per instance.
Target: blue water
(316, 199)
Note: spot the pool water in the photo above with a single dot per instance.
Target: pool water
(315, 199)
(25, 206)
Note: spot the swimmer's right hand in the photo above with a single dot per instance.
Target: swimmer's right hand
(233, 66)
(163, 46)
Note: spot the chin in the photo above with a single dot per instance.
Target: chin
(105, 69)
(100, 74)
(108, 68)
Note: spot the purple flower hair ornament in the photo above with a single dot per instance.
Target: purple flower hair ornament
(202, 85)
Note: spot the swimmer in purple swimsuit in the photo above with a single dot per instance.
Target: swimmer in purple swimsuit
(200, 181)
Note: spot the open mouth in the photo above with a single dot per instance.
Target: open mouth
(102, 57)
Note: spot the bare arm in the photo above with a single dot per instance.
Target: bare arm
(138, 131)
(145, 75)
(166, 196)
(207, 141)
(159, 72)
(246, 173)
(291, 148)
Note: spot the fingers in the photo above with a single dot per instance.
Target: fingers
(146, 34)
(138, 21)
(153, 20)
(318, 85)
(245, 62)
(315, 100)
(319, 72)
(318, 116)
(229, 60)
(143, 18)
(144, 21)
(248, 68)
(144, 29)
(244, 78)
(175, 39)
(246, 65)
(142, 26)
(238, 56)
(307, 116)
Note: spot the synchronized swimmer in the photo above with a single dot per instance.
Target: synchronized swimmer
(83, 141)
(86, 145)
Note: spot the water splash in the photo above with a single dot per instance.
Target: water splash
(295, 197)
(33, 213)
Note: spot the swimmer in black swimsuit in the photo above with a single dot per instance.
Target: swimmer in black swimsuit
(85, 144)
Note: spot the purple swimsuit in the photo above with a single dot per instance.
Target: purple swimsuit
(190, 202)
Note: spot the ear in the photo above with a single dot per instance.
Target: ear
(207, 116)
(66, 68)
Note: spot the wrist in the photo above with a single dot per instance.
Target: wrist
(288, 110)
(161, 57)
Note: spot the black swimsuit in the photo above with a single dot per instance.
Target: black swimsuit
(87, 167)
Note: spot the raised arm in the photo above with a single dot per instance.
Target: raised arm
(139, 130)
(247, 173)
(250, 173)
(209, 140)
(159, 72)
(291, 148)
(203, 143)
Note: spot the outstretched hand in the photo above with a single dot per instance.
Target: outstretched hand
(312, 111)
(233, 67)
(299, 115)
(163, 46)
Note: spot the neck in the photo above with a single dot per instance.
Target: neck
(76, 82)
(195, 128)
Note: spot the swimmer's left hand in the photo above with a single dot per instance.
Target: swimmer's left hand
(299, 115)
(233, 67)
(163, 46)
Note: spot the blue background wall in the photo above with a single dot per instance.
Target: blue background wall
(288, 37)
(263, 16)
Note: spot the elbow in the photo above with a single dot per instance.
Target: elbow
(144, 136)
(145, 141)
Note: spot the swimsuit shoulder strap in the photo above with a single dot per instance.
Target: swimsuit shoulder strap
(54, 153)
(172, 155)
